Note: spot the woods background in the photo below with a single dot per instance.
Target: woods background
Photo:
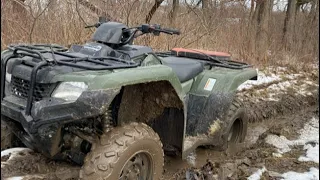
(262, 32)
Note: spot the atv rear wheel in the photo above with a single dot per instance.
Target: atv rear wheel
(236, 126)
(133, 151)
(235, 132)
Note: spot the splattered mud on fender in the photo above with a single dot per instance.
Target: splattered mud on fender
(204, 111)
(205, 120)
(214, 127)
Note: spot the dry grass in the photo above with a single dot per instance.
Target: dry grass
(64, 24)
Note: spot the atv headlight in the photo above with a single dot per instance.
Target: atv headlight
(8, 77)
(69, 91)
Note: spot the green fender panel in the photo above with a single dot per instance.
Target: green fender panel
(221, 80)
(98, 80)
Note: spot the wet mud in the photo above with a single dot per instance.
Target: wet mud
(254, 154)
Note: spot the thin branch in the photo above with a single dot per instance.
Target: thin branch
(35, 21)
(79, 14)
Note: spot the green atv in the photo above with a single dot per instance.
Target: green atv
(114, 108)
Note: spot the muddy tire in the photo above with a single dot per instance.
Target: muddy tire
(236, 126)
(131, 150)
(7, 136)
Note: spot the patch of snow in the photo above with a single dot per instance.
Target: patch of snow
(257, 174)
(262, 79)
(272, 99)
(280, 142)
(313, 174)
(279, 155)
(312, 153)
(280, 86)
(309, 137)
(293, 76)
(14, 151)
(310, 133)
(278, 68)
(25, 177)
(16, 178)
(273, 74)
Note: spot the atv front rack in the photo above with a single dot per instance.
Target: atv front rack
(36, 51)
(212, 61)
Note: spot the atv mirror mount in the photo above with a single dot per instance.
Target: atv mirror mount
(102, 19)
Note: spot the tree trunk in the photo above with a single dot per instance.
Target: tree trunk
(315, 19)
(153, 10)
(289, 23)
(174, 11)
(251, 8)
(53, 5)
(205, 4)
(94, 9)
(206, 12)
(18, 8)
(261, 20)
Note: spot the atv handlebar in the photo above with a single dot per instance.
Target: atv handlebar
(156, 29)
(95, 25)
(173, 31)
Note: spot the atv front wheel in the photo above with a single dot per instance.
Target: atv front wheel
(7, 136)
(133, 151)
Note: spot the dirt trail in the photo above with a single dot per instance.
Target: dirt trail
(279, 107)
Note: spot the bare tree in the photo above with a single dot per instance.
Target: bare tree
(153, 10)
(92, 7)
(205, 4)
(18, 7)
(261, 18)
(251, 8)
(173, 12)
(301, 3)
(289, 23)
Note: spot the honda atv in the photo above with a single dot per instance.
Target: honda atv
(114, 108)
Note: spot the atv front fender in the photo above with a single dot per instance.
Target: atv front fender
(55, 110)
(42, 130)
(139, 75)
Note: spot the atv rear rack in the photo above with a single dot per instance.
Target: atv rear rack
(212, 61)
(36, 51)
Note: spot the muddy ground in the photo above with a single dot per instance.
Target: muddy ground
(252, 155)
(281, 107)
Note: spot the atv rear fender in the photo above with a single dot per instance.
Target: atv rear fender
(221, 80)
(208, 101)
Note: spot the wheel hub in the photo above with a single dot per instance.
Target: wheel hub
(137, 168)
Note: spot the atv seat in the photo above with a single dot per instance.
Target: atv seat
(184, 68)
